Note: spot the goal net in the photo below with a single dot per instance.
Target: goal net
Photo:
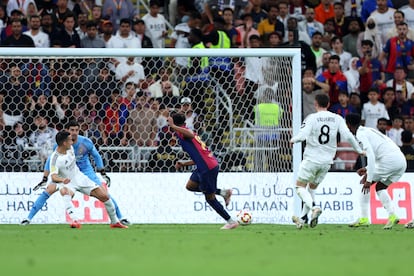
(244, 111)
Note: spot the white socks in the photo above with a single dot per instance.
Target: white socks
(306, 197)
(110, 209)
(386, 201)
(364, 204)
(70, 209)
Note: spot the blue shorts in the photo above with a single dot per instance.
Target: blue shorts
(207, 181)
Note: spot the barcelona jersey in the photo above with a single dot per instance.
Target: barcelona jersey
(199, 152)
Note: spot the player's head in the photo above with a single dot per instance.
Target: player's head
(322, 100)
(406, 137)
(353, 120)
(62, 137)
(179, 119)
(73, 128)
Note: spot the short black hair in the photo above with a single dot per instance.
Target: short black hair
(72, 123)
(61, 137)
(322, 100)
(353, 119)
(179, 119)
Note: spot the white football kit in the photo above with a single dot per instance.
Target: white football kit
(320, 131)
(385, 161)
(65, 166)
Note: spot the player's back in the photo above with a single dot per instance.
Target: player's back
(321, 144)
(381, 144)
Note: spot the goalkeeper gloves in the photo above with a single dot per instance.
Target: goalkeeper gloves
(41, 183)
(106, 178)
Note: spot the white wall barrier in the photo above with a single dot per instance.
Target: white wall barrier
(162, 198)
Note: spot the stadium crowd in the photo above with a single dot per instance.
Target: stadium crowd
(358, 52)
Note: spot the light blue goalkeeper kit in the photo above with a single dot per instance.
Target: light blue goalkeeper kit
(84, 148)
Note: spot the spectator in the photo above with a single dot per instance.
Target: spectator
(114, 121)
(355, 101)
(17, 38)
(156, 26)
(328, 34)
(409, 123)
(43, 137)
(400, 83)
(68, 36)
(130, 71)
(371, 72)
(371, 33)
(115, 11)
(164, 157)
(408, 11)
(257, 12)
(61, 12)
(373, 110)
(339, 19)
(142, 123)
(389, 100)
(407, 149)
(169, 96)
(310, 25)
(22, 6)
(37, 76)
(407, 109)
(343, 107)
(368, 7)
(7, 29)
(399, 17)
(297, 9)
(395, 132)
(13, 97)
(92, 40)
(187, 109)
(12, 153)
(352, 75)
(324, 11)
(124, 38)
(350, 40)
(107, 31)
(337, 46)
(232, 33)
(96, 14)
(308, 96)
(383, 16)
(398, 52)
(40, 39)
(332, 80)
(270, 24)
(292, 25)
(48, 27)
(382, 125)
(81, 22)
(275, 40)
(283, 16)
(246, 30)
(325, 63)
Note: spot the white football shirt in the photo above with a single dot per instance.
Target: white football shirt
(320, 131)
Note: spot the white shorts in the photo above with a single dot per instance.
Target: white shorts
(81, 183)
(389, 169)
(310, 172)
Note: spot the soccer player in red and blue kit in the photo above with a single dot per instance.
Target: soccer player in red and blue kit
(204, 177)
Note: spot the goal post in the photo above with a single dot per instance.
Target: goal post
(283, 68)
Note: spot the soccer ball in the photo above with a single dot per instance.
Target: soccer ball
(244, 217)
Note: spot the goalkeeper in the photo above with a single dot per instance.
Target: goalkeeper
(83, 148)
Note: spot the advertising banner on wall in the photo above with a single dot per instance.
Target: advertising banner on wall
(162, 198)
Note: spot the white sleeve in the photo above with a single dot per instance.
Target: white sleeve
(346, 134)
(304, 131)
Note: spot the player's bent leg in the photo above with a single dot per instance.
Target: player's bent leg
(101, 194)
(387, 203)
(67, 195)
(216, 205)
(193, 186)
(40, 201)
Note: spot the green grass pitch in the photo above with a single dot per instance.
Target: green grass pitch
(203, 249)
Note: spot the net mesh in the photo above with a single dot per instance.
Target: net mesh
(242, 110)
